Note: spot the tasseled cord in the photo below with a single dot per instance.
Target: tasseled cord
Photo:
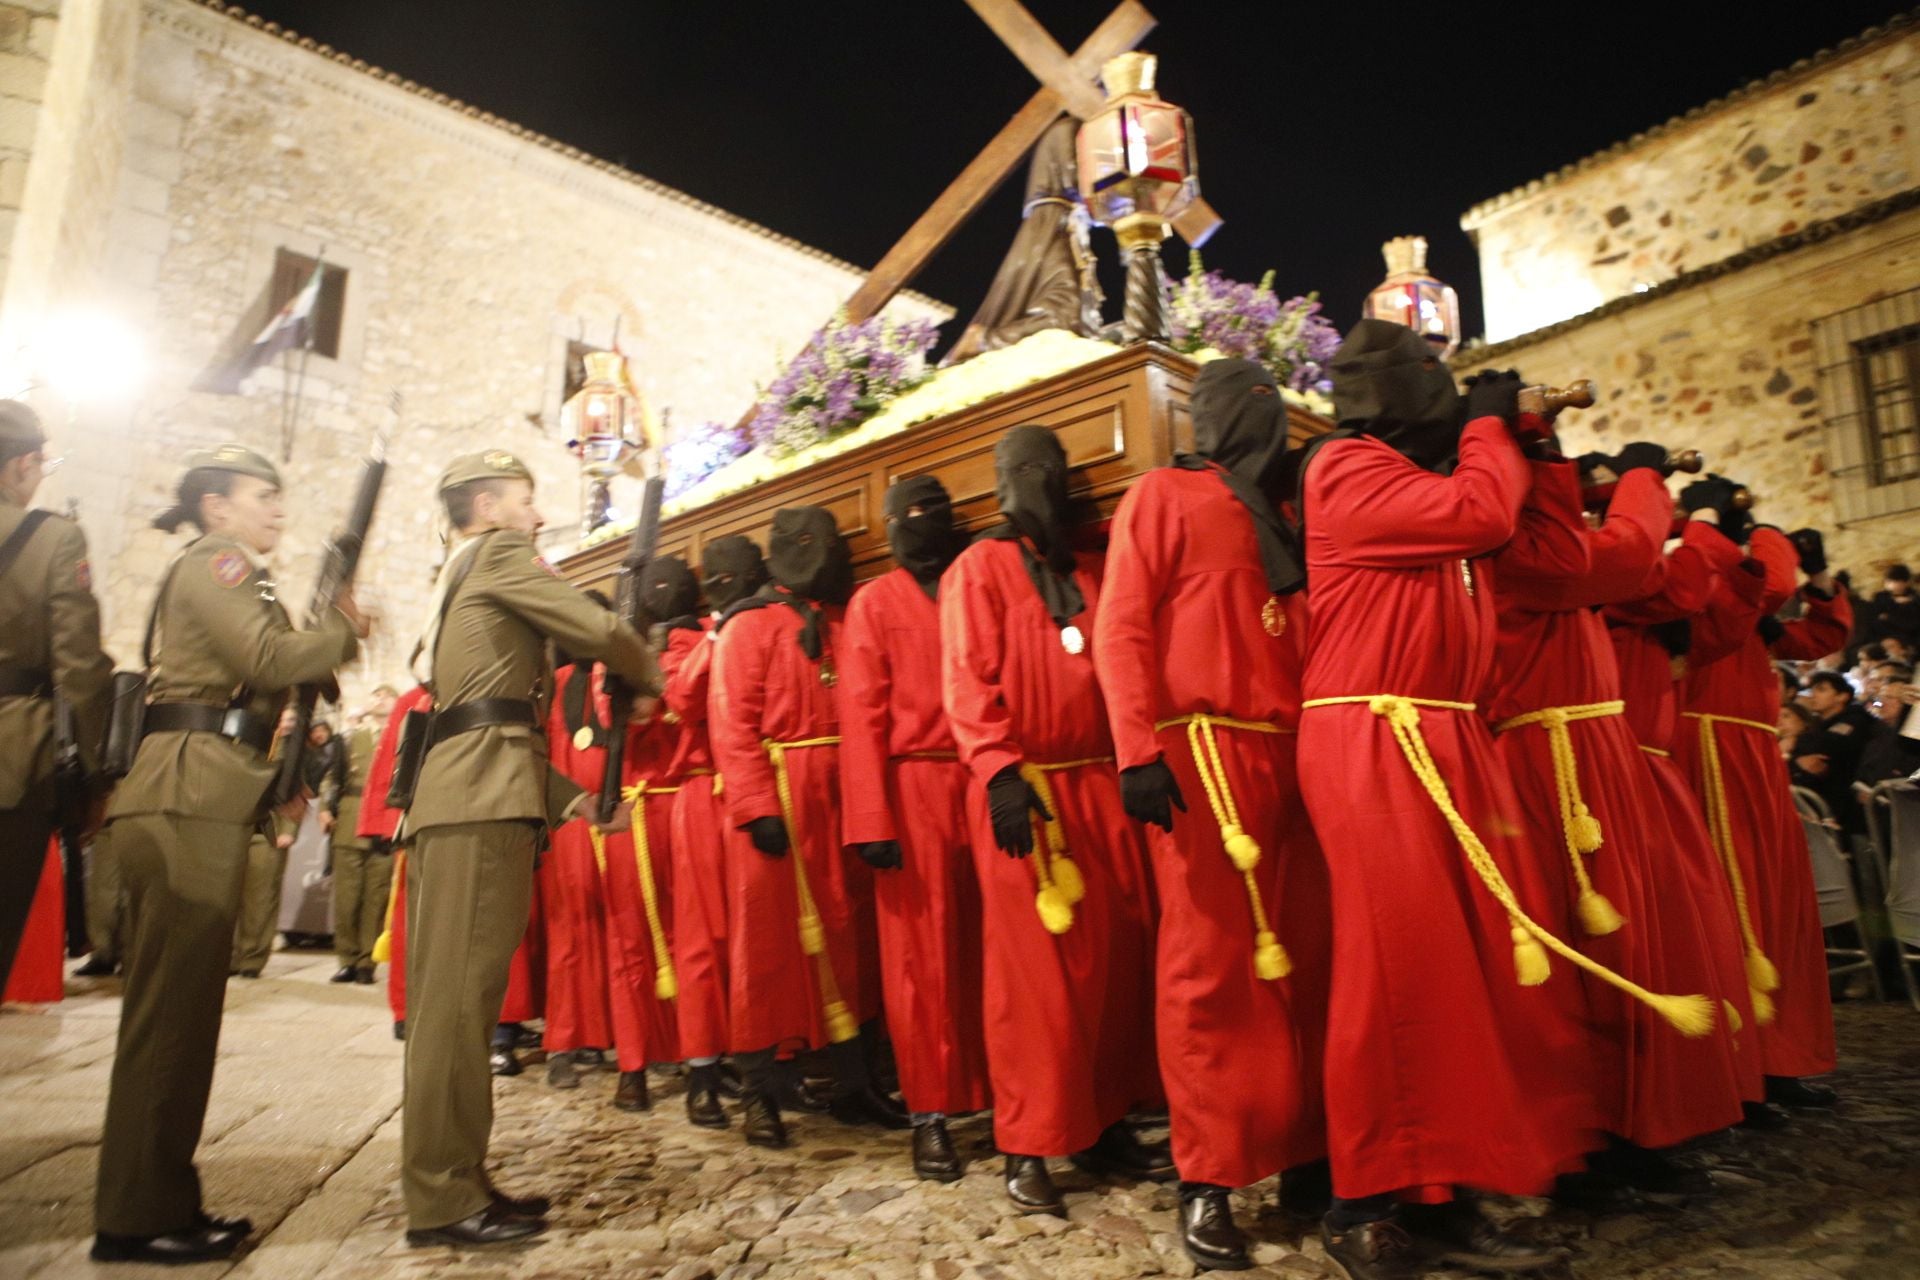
(1059, 885)
(813, 934)
(1598, 916)
(666, 983)
(383, 945)
(1270, 960)
(1762, 977)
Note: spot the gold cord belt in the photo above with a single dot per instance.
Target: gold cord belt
(1655, 751)
(1690, 1015)
(1577, 823)
(382, 952)
(1762, 976)
(1058, 883)
(666, 984)
(813, 934)
(1270, 960)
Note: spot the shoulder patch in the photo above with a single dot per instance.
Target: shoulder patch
(83, 575)
(229, 568)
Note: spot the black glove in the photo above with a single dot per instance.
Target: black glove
(1812, 548)
(1641, 455)
(1771, 629)
(1715, 494)
(1012, 803)
(881, 855)
(769, 836)
(1149, 794)
(1494, 395)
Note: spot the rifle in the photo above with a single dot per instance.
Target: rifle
(73, 797)
(340, 558)
(627, 607)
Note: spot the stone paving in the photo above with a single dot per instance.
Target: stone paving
(304, 1136)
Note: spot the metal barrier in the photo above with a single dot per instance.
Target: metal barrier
(1833, 886)
(1893, 818)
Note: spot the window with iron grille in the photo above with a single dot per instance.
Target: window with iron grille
(1870, 390)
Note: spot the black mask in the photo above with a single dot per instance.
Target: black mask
(668, 589)
(1388, 383)
(1030, 479)
(807, 555)
(925, 544)
(731, 569)
(1244, 429)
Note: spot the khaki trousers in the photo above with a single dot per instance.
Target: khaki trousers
(469, 888)
(260, 905)
(23, 856)
(106, 900)
(360, 882)
(182, 878)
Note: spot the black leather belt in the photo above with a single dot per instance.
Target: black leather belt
(24, 682)
(480, 713)
(200, 717)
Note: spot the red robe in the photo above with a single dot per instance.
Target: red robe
(1068, 1017)
(1659, 1087)
(1680, 587)
(570, 894)
(700, 837)
(1437, 1059)
(901, 779)
(37, 976)
(1180, 631)
(646, 1028)
(1768, 841)
(765, 688)
(379, 820)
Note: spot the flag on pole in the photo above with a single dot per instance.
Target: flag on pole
(289, 329)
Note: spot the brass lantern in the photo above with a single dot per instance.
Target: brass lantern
(1138, 171)
(1412, 297)
(609, 429)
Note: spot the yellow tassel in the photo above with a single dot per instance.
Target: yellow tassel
(1597, 915)
(1270, 960)
(1586, 829)
(840, 1024)
(1241, 847)
(665, 985)
(1530, 963)
(1066, 878)
(813, 937)
(1761, 975)
(1056, 913)
(383, 948)
(1762, 1006)
(1734, 1022)
(1691, 1016)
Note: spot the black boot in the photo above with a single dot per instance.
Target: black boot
(97, 966)
(560, 1072)
(1377, 1250)
(343, 974)
(1119, 1153)
(728, 1081)
(1762, 1118)
(503, 1062)
(760, 1120)
(196, 1244)
(631, 1093)
(1652, 1172)
(934, 1158)
(1031, 1188)
(1207, 1230)
(869, 1106)
(1466, 1237)
(1785, 1091)
(703, 1097)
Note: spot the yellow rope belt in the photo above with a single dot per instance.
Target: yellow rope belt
(1655, 751)
(383, 945)
(666, 983)
(1762, 976)
(1577, 823)
(813, 934)
(1058, 883)
(1270, 960)
(1691, 1015)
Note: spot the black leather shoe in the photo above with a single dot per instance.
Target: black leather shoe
(1652, 1172)
(241, 1227)
(503, 1063)
(492, 1225)
(703, 1099)
(400, 1029)
(1031, 1188)
(1208, 1233)
(1462, 1235)
(364, 975)
(97, 966)
(1118, 1153)
(196, 1244)
(1785, 1091)
(934, 1158)
(1380, 1250)
(760, 1120)
(869, 1106)
(343, 974)
(631, 1093)
(1762, 1118)
(812, 1094)
(560, 1072)
(521, 1206)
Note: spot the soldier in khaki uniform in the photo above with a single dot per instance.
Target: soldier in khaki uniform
(361, 868)
(180, 822)
(484, 794)
(50, 641)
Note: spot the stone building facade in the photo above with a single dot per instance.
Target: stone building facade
(159, 159)
(1744, 279)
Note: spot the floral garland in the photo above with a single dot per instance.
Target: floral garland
(697, 454)
(1250, 321)
(845, 374)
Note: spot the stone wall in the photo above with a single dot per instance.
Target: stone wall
(1727, 365)
(27, 30)
(1821, 138)
(475, 251)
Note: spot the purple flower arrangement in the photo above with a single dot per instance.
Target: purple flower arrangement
(844, 374)
(694, 455)
(1234, 318)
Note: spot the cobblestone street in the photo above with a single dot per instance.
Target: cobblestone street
(304, 1136)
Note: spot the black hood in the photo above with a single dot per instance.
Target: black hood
(924, 544)
(731, 569)
(668, 589)
(807, 555)
(1388, 384)
(1030, 479)
(1235, 424)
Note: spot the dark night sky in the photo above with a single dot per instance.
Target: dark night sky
(1323, 130)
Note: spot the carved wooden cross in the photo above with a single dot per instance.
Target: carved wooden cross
(1067, 84)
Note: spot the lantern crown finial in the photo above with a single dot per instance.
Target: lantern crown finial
(1128, 73)
(1405, 255)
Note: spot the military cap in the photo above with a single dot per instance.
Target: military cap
(236, 458)
(489, 464)
(20, 427)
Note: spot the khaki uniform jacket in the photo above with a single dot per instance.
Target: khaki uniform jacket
(49, 621)
(221, 630)
(493, 644)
